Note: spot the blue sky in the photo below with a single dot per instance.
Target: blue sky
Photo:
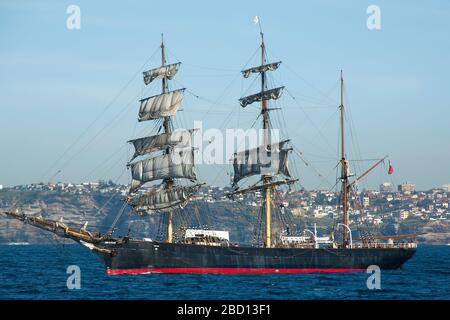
(57, 84)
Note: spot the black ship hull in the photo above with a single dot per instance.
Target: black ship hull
(137, 256)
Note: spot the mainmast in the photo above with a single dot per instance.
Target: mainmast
(270, 159)
(266, 143)
(344, 173)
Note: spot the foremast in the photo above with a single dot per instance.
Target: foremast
(170, 153)
(167, 129)
(249, 162)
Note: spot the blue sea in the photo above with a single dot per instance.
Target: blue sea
(40, 272)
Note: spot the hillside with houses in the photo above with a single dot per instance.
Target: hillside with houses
(95, 205)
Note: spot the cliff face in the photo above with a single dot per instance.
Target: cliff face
(99, 211)
(73, 209)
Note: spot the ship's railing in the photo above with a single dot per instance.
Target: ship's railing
(379, 245)
(371, 245)
(206, 241)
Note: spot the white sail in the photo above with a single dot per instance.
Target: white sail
(167, 71)
(161, 198)
(266, 95)
(179, 163)
(266, 67)
(162, 105)
(178, 138)
(261, 161)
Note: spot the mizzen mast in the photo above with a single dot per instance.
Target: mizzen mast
(344, 173)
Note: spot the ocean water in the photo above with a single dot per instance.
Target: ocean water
(39, 272)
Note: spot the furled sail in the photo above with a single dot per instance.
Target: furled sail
(178, 138)
(178, 163)
(167, 71)
(162, 105)
(266, 95)
(266, 67)
(261, 161)
(161, 198)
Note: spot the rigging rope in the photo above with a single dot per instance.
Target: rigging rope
(52, 166)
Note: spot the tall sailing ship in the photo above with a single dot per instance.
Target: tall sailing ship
(168, 158)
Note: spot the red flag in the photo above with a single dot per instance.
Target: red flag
(391, 168)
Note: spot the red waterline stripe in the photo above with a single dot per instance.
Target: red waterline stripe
(230, 270)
